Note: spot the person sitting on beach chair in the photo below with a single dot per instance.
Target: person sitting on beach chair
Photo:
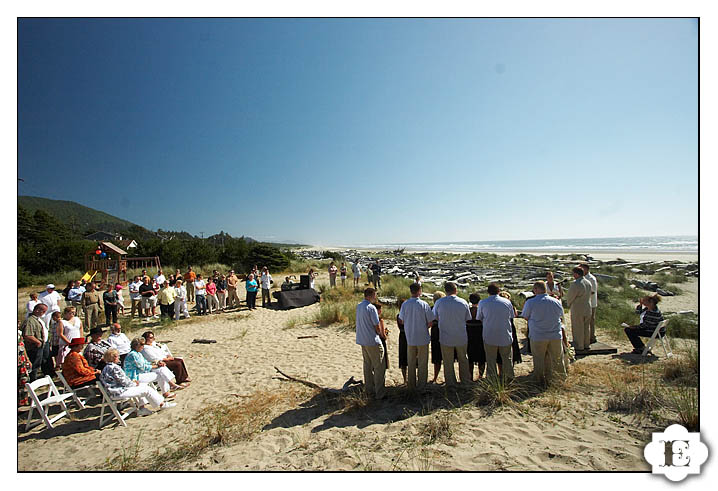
(651, 316)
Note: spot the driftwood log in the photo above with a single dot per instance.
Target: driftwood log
(348, 385)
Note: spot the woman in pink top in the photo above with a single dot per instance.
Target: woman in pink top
(212, 300)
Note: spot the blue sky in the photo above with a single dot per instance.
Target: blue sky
(366, 130)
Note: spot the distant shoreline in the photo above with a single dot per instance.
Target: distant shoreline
(603, 255)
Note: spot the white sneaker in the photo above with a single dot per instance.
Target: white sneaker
(168, 405)
(143, 411)
(156, 316)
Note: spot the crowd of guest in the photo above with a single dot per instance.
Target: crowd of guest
(125, 367)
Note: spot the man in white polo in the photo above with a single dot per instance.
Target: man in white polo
(593, 301)
(416, 315)
(369, 335)
(496, 313)
(452, 313)
(52, 300)
(543, 314)
(135, 297)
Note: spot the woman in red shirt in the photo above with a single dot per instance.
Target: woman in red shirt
(75, 368)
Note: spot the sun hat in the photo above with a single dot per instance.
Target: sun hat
(50, 286)
(96, 330)
(77, 342)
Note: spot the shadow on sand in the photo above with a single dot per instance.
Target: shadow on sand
(353, 408)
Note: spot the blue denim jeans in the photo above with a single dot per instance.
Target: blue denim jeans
(201, 304)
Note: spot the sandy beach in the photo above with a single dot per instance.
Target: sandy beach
(301, 430)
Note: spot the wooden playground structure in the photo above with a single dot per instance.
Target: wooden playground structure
(111, 263)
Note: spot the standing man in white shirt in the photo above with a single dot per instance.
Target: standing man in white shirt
(369, 335)
(135, 297)
(160, 278)
(543, 314)
(52, 299)
(180, 300)
(452, 313)
(266, 286)
(496, 313)
(416, 316)
(356, 272)
(593, 300)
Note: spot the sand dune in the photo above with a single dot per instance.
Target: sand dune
(565, 432)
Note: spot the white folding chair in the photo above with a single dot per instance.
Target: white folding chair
(664, 340)
(67, 389)
(41, 405)
(113, 402)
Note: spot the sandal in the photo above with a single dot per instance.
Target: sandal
(169, 395)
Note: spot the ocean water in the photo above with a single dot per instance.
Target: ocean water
(669, 243)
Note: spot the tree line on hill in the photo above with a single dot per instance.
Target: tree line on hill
(45, 245)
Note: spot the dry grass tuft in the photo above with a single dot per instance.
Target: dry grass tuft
(437, 429)
(353, 401)
(685, 403)
(226, 423)
(494, 392)
(642, 401)
(682, 370)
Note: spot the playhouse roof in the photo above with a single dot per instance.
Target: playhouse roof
(112, 247)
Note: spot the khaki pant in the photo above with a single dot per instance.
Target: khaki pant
(374, 370)
(222, 297)
(212, 303)
(136, 306)
(190, 290)
(267, 295)
(92, 315)
(78, 307)
(232, 299)
(507, 363)
(593, 325)
(420, 354)
(547, 353)
(447, 354)
(581, 329)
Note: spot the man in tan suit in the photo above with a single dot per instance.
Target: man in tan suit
(232, 298)
(579, 301)
(92, 305)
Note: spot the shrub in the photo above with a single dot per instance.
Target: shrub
(682, 327)
(336, 256)
(682, 370)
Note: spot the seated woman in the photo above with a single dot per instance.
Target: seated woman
(155, 352)
(651, 316)
(138, 368)
(118, 384)
(75, 368)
